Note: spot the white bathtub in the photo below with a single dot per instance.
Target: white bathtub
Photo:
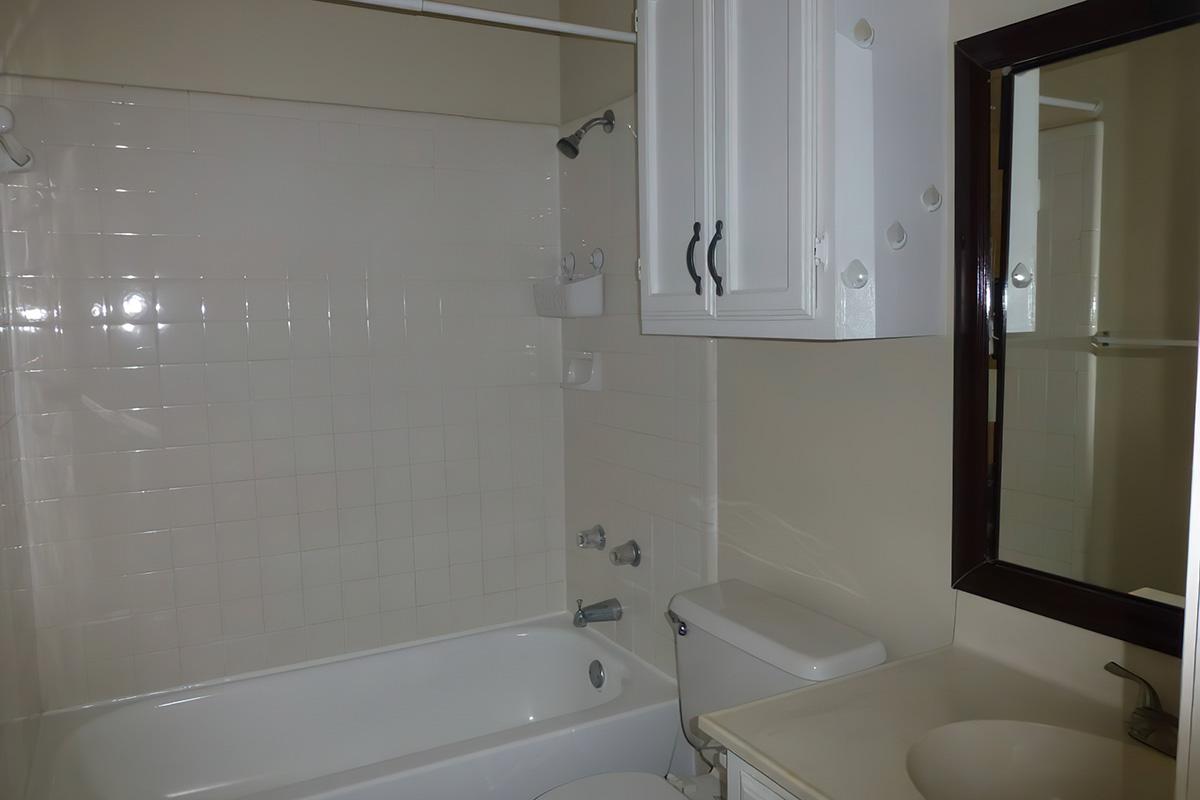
(504, 714)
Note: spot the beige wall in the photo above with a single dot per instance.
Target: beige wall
(596, 74)
(293, 49)
(969, 17)
(834, 480)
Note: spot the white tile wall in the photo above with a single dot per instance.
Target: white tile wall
(636, 451)
(20, 697)
(282, 391)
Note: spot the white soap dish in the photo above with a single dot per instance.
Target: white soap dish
(562, 297)
(581, 370)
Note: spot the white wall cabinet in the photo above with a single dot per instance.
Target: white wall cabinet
(675, 171)
(792, 158)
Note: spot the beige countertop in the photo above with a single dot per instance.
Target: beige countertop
(848, 739)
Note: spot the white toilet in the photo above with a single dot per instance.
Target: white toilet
(735, 643)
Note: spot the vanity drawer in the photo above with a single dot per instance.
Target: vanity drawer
(747, 783)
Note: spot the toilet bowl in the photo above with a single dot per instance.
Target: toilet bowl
(736, 643)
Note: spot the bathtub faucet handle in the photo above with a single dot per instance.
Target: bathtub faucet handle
(593, 538)
(628, 554)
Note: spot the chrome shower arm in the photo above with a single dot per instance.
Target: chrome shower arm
(608, 120)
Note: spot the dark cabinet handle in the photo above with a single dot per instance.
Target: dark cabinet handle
(691, 262)
(712, 267)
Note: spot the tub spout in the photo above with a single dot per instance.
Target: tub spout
(605, 611)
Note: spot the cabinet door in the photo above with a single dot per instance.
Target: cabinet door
(671, 148)
(766, 190)
(747, 783)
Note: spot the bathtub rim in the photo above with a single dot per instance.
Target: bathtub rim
(99, 705)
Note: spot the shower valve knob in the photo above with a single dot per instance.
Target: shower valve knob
(592, 539)
(628, 554)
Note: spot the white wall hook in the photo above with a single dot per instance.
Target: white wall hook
(931, 198)
(1021, 276)
(855, 275)
(897, 237)
(863, 34)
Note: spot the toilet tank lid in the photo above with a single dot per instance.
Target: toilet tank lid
(784, 634)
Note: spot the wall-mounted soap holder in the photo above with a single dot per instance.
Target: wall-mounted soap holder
(581, 370)
(569, 296)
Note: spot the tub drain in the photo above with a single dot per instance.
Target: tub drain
(596, 673)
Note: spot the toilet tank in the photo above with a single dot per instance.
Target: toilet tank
(736, 643)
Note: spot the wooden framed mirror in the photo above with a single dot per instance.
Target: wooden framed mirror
(1077, 159)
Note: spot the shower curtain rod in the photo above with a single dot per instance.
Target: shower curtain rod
(502, 18)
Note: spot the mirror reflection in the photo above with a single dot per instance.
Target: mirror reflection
(1096, 368)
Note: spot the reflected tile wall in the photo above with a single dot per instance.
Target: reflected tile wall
(20, 696)
(1046, 494)
(282, 391)
(636, 451)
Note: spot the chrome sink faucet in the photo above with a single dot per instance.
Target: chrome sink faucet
(1149, 723)
(605, 611)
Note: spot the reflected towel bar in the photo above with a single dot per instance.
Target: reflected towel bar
(1106, 340)
(1074, 105)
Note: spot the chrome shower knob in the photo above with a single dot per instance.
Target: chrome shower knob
(628, 554)
(592, 539)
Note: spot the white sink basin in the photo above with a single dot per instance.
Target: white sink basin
(1004, 760)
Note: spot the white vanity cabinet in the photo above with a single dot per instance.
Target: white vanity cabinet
(792, 156)
(747, 783)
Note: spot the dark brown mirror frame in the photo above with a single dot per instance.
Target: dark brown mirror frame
(976, 568)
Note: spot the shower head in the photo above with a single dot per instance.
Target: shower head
(569, 145)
